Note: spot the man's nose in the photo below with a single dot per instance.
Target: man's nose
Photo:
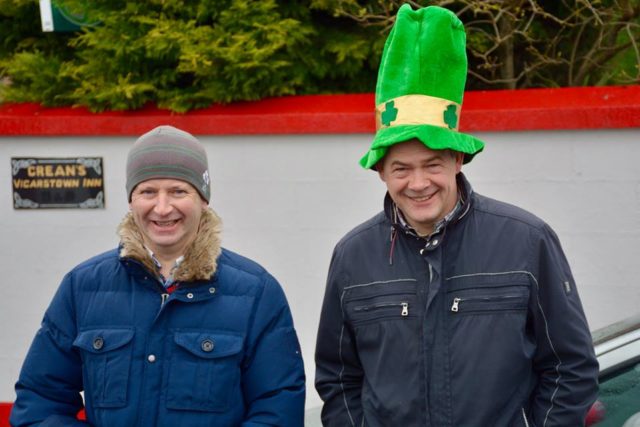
(419, 180)
(163, 204)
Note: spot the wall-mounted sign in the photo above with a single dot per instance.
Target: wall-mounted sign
(57, 183)
(56, 17)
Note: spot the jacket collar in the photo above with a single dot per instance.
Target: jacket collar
(200, 260)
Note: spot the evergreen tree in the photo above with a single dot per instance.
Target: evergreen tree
(179, 54)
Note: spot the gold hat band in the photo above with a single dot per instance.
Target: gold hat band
(418, 110)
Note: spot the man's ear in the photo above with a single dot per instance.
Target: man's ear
(205, 204)
(459, 160)
(379, 168)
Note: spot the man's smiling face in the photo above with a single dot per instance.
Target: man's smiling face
(168, 213)
(422, 182)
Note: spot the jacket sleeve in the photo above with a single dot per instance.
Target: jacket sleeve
(339, 374)
(273, 379)
(565, 360)
(49, 385)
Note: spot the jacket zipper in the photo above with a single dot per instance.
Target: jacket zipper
(455, 306)
(524, 417)
(403, 305)
(164, 297)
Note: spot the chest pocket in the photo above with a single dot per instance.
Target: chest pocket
(204, 371)
(381, 301)
(106, 356)
(488, 294)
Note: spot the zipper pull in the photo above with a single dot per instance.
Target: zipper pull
(405, 309)
(165, 297)
(454, 307)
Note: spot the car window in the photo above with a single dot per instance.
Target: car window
(620, 397)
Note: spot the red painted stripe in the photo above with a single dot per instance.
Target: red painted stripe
(608, 107)
(501, 110)
(5, 409)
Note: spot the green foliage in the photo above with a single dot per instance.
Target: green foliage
(20, 30)
(180, 55)
(189, 54)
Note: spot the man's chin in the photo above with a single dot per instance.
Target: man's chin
(164, 242)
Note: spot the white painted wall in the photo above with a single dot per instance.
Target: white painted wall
(286, 200)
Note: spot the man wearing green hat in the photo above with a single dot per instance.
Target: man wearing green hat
(448, 308)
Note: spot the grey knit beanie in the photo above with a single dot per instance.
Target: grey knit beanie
(167, 152)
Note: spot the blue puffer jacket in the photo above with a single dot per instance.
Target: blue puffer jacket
(478, 326)
(215, 352)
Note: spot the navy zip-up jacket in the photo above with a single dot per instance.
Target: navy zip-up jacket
(217, 352)
(478, 325)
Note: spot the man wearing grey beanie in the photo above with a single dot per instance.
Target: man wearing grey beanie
(169, 329)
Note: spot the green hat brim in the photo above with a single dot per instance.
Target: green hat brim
(433, 137)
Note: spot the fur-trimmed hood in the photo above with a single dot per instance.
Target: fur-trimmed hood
(200, 260)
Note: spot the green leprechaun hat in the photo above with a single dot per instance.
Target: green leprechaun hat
(421, 84)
